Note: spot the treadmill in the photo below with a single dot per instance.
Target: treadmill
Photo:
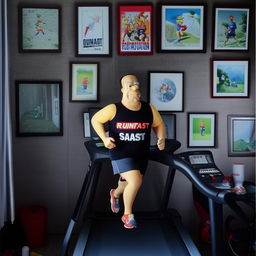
(158, 233)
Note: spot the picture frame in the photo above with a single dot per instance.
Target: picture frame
(170, 124)
(241, 135)
(93, 31)
(230, 28)
(229, 78)
(84, 81)
(135, 29)
(201, 130)
(166, 90)
(39, 108)
(181, 28)
(39, 28)
(86, 125)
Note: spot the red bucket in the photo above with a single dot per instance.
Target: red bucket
(34, 222)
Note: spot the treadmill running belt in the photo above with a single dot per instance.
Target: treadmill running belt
(151, 238)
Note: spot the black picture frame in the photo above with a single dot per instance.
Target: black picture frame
(39, 28)
(201, 129)
(84, 82)
(95, 44)
(38, 108)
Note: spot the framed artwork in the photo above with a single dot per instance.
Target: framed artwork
(93, 32)
(201, 130)
(39, 29)
(241, 135)
(39, 108)
(231, 29)
(166, 90)
(135, 29)
(84, 82)
(229, 78)
(86, 122)
(170, 124)
(181, 28)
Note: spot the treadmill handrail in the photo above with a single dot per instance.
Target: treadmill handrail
(167, 157)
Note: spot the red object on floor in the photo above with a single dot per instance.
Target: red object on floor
(34, 222)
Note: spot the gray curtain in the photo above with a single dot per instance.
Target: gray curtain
(6, 174)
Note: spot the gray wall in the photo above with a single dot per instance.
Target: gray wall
(49, 170)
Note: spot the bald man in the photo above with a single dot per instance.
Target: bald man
(130, 123)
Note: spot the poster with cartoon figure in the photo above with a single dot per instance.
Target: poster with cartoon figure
(231, 29)
(166, 90)
(201, 129)
(84, 82)
(182, 28)
(135, 29)
(39, 29)
(93, 30)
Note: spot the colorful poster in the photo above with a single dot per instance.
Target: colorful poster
(135, 34)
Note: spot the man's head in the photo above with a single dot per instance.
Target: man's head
(130, 88)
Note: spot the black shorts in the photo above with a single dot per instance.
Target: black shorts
(127, 164)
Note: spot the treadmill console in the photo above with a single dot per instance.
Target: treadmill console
(203, 163)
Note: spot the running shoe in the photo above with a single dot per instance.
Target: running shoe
(114, 201)
(129, 221)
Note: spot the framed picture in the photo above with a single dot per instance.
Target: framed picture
(201, 130)
(231, 29)
(39, 29)
(181, 28)
(86, 122)
(229, 78)
(135, 30)
(84, 82)
(166, 90)
(170, 124)
(93, 33)
(39, 108)
(241, 135)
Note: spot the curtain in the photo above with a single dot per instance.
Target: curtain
(6, 172)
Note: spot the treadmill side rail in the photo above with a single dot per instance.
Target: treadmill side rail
(186, 238)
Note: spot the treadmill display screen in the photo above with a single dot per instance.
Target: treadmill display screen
(199, 159)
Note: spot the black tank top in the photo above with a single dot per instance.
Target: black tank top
(131, 131)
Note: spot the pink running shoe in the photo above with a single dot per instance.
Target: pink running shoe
(129, 221)
(114, 201)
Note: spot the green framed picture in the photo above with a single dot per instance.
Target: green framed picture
(201, 129)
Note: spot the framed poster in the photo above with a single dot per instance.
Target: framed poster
(39, 108)
(241, 135)
(86, 122)
(181, 28)
(84, 79)
(170, 124)
(201, 129)
(229, 78)
(39, 29)
(135, 29)
(93, 29)
(231, 29)
(166, 90)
